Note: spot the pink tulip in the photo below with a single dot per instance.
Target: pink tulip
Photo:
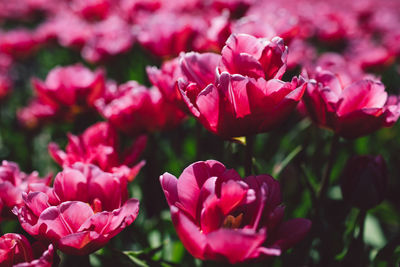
(240, 92)
(99, 145)
(350, 110)
(17, 43)
(109, 37)
(70, 86)
(66, 92)
(165, 80)
(134, 109)
(219, 216)
(14, 182)
(86, 208)
(15, 250)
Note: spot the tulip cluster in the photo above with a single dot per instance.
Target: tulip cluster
(262, 76)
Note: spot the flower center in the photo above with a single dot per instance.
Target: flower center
(233, 222)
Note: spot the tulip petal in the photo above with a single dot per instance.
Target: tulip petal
(362, 95)
(200, 68)
(169, 185)
(234, 245)
(71, 185)
(189, 233)
(208, 104)
(232, 194)
(191, 181)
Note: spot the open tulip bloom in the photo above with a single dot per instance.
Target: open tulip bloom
(85, 209)
(15, 250)
(240, 92)
(350, 110)
(219, 216)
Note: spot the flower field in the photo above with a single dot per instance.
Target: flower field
(199, 133)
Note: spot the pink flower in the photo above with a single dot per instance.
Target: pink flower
(99, 145)
(15, 250)
(165, 80)
(240, 92)
(110, 37)
(134, 109)
(36, 114)
(86, 208)
(91, 9)
(66, 92)
(219, 216)
(350, 110)
(14, 182)
(17, 43)
(169, 33)
(69, 29)
(70, 86)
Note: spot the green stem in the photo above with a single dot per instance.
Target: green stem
(327, 174)
(248, 164)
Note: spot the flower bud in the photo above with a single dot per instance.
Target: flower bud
(364, 181)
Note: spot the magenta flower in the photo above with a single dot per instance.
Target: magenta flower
(17, 43)
(15, 250)
(219, 216)
(66, 92)
(165, 80)
(14, 182)
(350, 110)
(86, 208)
(134, 109)
(240, 92)
(91, 9)
(110, 37)
(99, 145)
(169, 33)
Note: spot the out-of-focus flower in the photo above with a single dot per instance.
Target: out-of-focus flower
(13, 182)
(5, 85)
(109, 37)
(134, 109)
(219, 216)
(350, 109)
(364, 181)
(66, 92)
(86, 208)
(368, 55)
(240, 92)
(15, 250)
(91, 9)
(165, 80)
(17, 43)
(169, 33)
(69, 29)
(36, 114)
(99, 145)
(236, 7)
